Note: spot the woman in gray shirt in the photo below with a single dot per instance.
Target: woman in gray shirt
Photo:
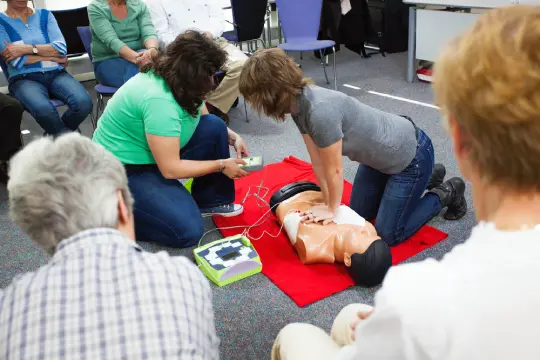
(396, 158)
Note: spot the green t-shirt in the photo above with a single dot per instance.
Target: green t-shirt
(143, 105)
(110, 34)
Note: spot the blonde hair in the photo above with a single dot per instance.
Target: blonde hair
(271, 82)
(488, 81)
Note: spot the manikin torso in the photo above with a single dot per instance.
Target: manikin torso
(317, 243)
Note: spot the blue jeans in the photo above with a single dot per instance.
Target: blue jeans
(114, 72)
(34, 91)
(165, 212)
(397, 202)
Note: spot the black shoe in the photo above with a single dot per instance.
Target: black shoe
(452, 195)
(437, 176)
(4, 173)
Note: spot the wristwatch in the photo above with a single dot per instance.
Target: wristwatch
(34, 49)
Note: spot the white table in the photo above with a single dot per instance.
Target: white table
(430, 30)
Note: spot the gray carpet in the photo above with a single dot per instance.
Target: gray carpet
(250, 313)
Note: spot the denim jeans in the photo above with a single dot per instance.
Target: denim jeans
(165, 212)
(114, 72)
(397, 202)
(34, 91)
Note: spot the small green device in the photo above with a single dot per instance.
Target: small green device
(228, 260)
(254, 163)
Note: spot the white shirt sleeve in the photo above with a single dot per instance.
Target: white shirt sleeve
(406, 308)
(160, 19)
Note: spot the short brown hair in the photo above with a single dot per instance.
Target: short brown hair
(488, 81)
(271, 81)
(188, 65)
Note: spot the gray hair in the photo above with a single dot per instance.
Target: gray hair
(60, 187)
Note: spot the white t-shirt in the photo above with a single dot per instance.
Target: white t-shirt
(481, 302)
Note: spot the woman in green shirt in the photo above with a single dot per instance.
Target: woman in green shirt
(123, 39)
(153, 124)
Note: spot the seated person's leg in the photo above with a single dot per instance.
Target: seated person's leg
(66, 88)
(341, 331)
(227, 92)
(114, 72)
(210, 142)
(34, 96)
(304, 341)
(164, 210)
(10, 131)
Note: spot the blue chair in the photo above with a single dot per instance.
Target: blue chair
(249, 17)
(300, 22)
(102, 91)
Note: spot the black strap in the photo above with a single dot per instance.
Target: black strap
(412, 122)
(137, 169)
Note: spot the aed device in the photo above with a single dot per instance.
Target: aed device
(228, 260)
(253, 163)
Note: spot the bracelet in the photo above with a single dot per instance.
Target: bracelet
(221, 167)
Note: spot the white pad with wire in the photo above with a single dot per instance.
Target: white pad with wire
(347, 216)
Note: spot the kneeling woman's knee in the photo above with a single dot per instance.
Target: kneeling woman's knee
(393, 239)
(213, 124)
(191, 234)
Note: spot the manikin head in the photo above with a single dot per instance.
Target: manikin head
(272, 83)
(60, 187)
(487, 83)
(350, 239)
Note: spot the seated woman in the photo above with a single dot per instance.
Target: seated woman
(396, 158)
(123, 39)
(35, 51)
(153, 124)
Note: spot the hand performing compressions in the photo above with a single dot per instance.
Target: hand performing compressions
(318, 213)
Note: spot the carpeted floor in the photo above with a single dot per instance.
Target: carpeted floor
(250, 313)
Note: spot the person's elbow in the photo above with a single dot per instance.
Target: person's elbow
(60, 47)
(168, 173)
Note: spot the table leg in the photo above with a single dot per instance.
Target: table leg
(411, 55)
(279, 27)
(269, 25)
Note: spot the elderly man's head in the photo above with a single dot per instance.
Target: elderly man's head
(60, 187)
(487, 83)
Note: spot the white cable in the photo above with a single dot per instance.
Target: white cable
(260, 198)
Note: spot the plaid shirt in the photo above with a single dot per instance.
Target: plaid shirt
(103, 297)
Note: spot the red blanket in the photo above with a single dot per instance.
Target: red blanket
(305, 284)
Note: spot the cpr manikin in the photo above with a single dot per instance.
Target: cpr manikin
(350, 239)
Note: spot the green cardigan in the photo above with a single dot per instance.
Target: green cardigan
(110, 34)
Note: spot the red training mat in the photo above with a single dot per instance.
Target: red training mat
(304, 284)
